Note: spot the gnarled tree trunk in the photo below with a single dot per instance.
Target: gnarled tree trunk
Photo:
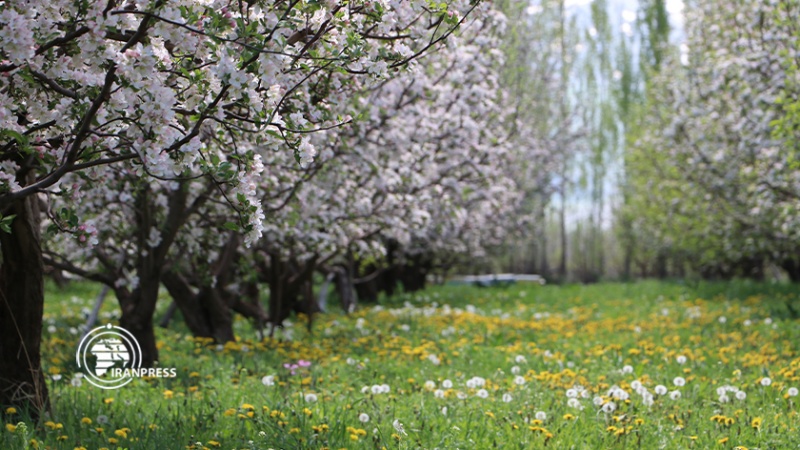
(21, 310)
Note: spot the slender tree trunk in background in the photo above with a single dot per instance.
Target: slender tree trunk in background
(22, 383)
(562, 265)
(544, 266)
(661, 265)
(345, 284)
(627, 259)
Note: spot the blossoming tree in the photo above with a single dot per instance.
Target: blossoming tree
(179, 89)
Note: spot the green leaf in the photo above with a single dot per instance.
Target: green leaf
(5, 223)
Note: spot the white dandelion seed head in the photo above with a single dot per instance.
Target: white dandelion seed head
(572, 393)
(398, 426)
(574, 403)
(675, 395)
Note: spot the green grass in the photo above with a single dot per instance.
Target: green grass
(554, 337)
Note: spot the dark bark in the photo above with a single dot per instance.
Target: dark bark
(368, 291)
(290, 289)
(138, 309)
(661, 265)
(207, 305)
(21, 310)
(792, 268)
(205, 312)
(413, 273)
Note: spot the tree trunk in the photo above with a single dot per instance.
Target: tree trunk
(345, 287)
(137, 317)
(792, 268)
(414, 272)
(290, 290)
(21, 310)
(562, 265)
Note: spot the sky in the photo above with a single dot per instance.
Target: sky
(623, 15)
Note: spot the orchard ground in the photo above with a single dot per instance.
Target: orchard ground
(645, 365)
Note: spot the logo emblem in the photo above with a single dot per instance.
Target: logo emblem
(107, 354)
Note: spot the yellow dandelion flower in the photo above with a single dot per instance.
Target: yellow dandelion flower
(229, 412)
(722, 441)
(11, 427)
(86, 421)
(11, 410)
(756, 423)
(168, 394)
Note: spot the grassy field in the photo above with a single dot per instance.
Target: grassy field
(646, 365)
